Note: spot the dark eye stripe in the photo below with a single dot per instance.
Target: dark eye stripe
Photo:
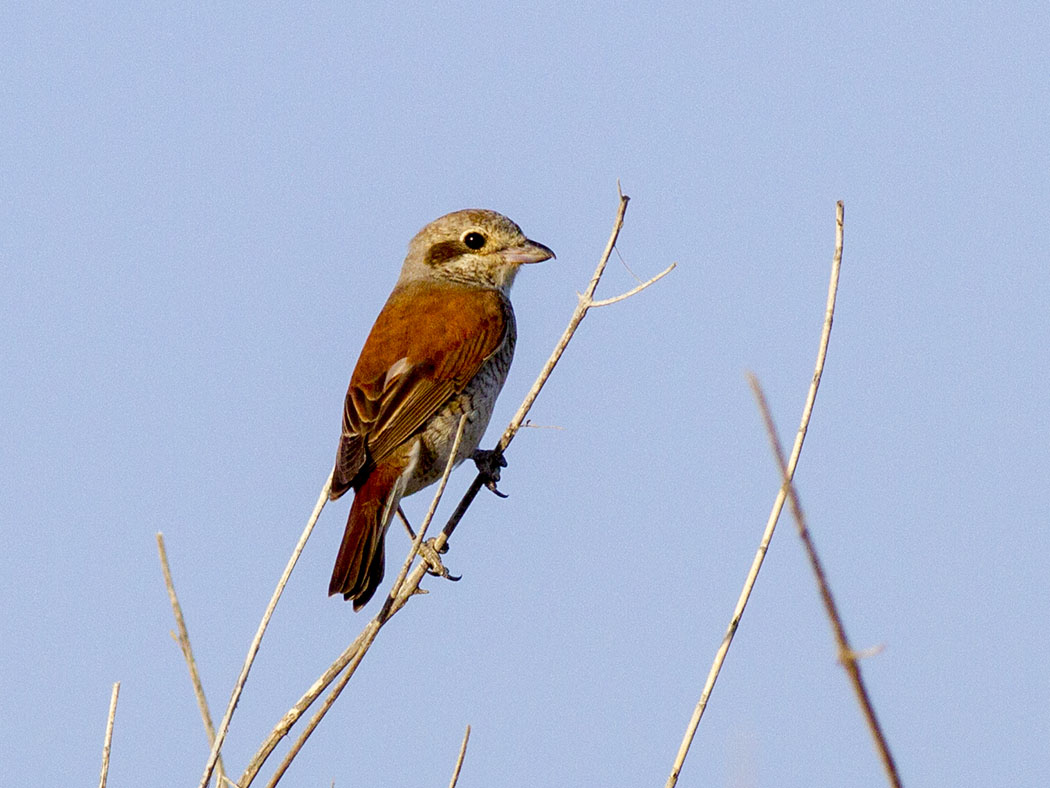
(442, 252)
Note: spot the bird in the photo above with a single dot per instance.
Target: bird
(440, 348)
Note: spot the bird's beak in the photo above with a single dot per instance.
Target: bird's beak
(528, 252)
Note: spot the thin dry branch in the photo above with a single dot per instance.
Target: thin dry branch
(774, 515)
(849, 658)
(583, 305)
(108, 741)
(422, 533)
(459, 760)
(633, 290)
(182, 637)
(353, 654)
(381, 618)
(253, 649)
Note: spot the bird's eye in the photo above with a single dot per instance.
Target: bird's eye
(474, 240)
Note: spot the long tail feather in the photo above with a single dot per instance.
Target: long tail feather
(358, 568)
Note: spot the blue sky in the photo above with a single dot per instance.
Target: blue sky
(202, 209)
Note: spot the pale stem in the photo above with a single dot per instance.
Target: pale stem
(381, 618)
(108, 741)
(849, 657)
(774, 515)
(253, 649)
(182, 637)
(459, 760)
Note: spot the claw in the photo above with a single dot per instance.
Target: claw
(432, 559)
(489, 462)
(492, 486)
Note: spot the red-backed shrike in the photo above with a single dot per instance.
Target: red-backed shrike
(440, 348)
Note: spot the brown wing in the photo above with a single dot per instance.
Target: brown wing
(426, 345)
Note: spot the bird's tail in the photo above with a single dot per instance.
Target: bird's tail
(358, 568)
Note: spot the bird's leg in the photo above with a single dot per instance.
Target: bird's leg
(401, 514)
(433, 561)
(489, 462)
(427, 552)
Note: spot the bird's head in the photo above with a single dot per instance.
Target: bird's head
(474, 247)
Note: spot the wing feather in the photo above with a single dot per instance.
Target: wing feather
(426, 345)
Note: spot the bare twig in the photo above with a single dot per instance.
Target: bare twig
(253, 649)
(353, 654)
(418, 540)
(182, 637)
(527, 424)
(459, 760)
(633, 290)
(849, 658)
(774, 515)
(381, 618)
(108, 741)
(583, 305)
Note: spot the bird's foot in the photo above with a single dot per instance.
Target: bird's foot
(432, 559)
(489, 462)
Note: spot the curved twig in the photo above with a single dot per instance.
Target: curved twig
(585, 303)
(253, 649)
(774, 515)
(849, 657)
(633, 290)
(381, 618)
